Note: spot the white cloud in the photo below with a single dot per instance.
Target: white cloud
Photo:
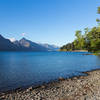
(12, 39)
(23, 34)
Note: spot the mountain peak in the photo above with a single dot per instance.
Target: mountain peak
(23, 38)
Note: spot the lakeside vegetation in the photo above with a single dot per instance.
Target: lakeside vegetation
(88, 40)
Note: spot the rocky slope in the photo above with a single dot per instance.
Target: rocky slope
(29, 45)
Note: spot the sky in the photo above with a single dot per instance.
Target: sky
(46, 21)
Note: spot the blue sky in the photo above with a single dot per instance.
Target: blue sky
(46, 21)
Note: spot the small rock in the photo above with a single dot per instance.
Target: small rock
(61, 79)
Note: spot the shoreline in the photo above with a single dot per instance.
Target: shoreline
(58, 90)
(44, 83)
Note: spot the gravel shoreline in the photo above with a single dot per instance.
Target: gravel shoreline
(76, 88)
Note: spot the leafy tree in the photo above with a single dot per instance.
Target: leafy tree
(80, 41)
(98, 10)
(98, 20)
(89, 41)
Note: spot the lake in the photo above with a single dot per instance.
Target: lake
(20, 69)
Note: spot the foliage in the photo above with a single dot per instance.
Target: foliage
(89, 41)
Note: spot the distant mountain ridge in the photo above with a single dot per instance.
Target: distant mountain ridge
(50, 47)
(24, 45)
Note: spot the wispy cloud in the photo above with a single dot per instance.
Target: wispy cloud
(23, 34)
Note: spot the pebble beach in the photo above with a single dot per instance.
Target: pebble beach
(75, 88)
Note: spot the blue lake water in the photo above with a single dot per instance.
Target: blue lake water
(19, 69)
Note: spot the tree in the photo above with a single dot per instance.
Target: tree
(98, 11)
(98, 20)
(89, 41)
(80, 41)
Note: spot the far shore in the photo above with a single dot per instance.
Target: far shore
(79, 50)
(75, 88)
(75, 50)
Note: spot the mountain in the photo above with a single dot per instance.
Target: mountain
(24, 45)
(31, 46)
(50, 47)
(6, 45)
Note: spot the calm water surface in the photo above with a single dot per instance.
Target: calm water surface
(19, 69)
